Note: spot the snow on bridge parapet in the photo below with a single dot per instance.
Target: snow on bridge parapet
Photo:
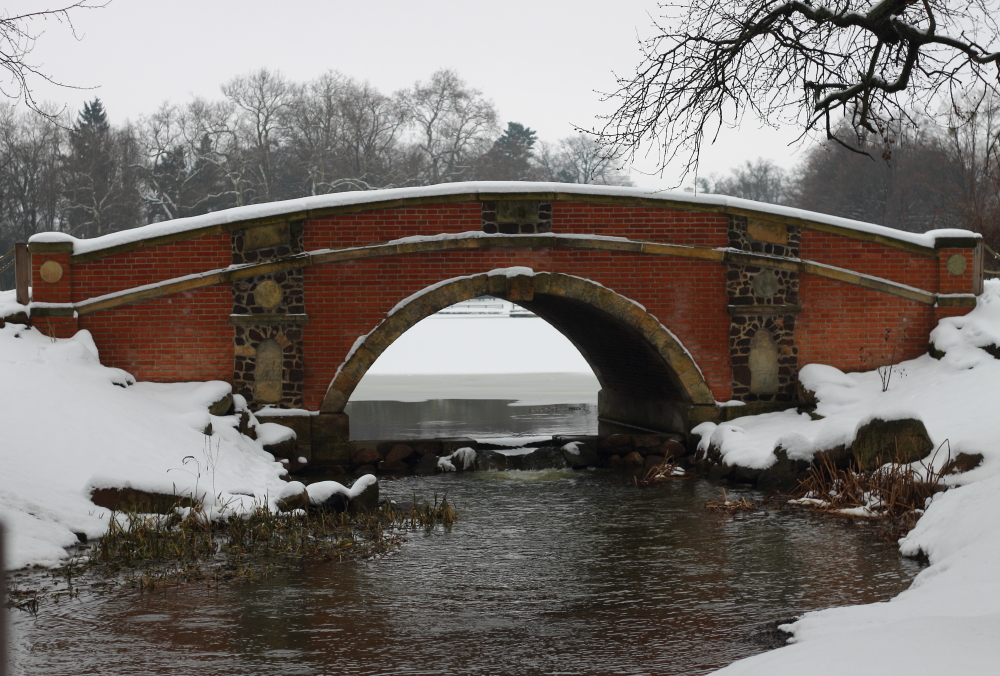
(318, 206)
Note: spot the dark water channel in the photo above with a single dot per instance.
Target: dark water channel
(544, 573)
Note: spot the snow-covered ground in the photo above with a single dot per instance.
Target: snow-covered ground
(949, 620)
(68, 424)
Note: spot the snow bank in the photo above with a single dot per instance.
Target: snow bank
(466, 457)
(948, 621)
(321, 491)
(69, 424)
(9, 305)
(516, 187)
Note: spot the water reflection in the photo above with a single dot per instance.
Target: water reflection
(556, 572)
(475, 418)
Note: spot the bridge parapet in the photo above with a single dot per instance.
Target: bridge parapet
(272, 298)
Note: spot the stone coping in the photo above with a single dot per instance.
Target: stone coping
(353, 202)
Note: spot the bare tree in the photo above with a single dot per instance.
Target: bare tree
(760, 180)
(260, 102)
(581, 159)
(453, 123)
(793, 61)
(30, 191)
(17, 39)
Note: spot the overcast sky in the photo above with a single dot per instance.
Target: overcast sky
(542, 62)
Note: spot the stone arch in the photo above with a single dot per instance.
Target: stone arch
(645, 373)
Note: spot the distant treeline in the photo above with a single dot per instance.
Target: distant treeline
(267, 138)
(942, 175)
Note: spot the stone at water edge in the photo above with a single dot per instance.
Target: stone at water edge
(399, 453)
(144, 502)
(633, 461)
(546, 457)
(366, 456)
(393, 467)
(491, 460)
(784, 474)
(427, 465)
(365, 502)
(293, 496)
(882, 441)
(652, 461)
(585, 455)
(616, 444)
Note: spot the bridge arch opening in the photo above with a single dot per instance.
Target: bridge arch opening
(647, 379)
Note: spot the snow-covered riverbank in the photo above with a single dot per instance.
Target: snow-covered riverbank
(949, 620)
(68, 424)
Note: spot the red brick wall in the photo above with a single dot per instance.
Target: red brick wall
(43, 292)
(870, 258)
(147, 266)
(687, 296)
(841, 323)
(187, 336)
(182, 337)
(383, 225)
(658, 224)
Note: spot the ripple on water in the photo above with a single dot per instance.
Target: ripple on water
(545, 572)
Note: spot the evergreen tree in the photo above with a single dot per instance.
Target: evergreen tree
(101, 184)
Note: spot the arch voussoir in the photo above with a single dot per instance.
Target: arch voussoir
(548, 287)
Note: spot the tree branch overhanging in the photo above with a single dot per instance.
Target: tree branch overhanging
(796, 62)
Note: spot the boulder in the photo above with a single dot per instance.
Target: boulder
(364, 499)
(399, 453)
(393, 467)
(671, 449)
(365, 456)
(425, 447)
(652, 461)
(491, 460)
(881, 441)
(366, 469)
(645, 444)
(293, 496)
(616, 444)
(838, 456)
(546, 457)
(130, 499)
(615, 461)
(328, 496)
(785, 474)
(633, 461)
(963, 462)
(427, 465)
(222, 406)
(579, 455)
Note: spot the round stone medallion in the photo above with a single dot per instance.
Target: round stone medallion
(956, 264)
(51, 272)
(765, 284)
(267, 294)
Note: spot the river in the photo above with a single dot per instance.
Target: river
(557, 572)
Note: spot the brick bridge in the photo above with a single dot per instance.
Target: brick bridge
(676, 301)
